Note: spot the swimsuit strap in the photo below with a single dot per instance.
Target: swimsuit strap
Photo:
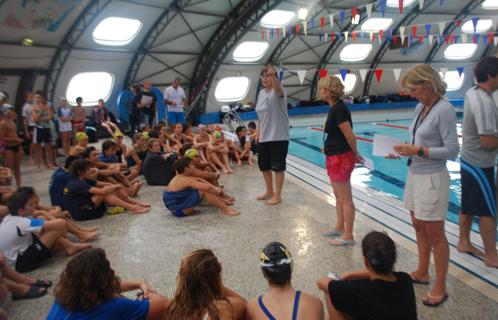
(296, 305)
(264, 309)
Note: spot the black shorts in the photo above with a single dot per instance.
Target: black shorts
(14, 149)
(33, 257)
(478, 190)
(89, 212)
(42, 135)
(272, 155)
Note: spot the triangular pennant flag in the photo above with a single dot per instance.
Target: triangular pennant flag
(271, 34)
(322, 23)
(312, 23)
(455, 38)
(402, 38)
(441, 24)
(369, 8)
(458, 22)
(442, 38)
(475, 38)
(281, 72)
(400, 3)
(396, 73)
(475, 20)
(339, 34)
(346, 33)
(354, 36)
(464, 38)
(381, 35)
(443, 71)
(341, 17)
(427, 29)
(431, 38)
(446, 39)
(298, 28)
(363, 74)
(390, 34)
(495, 40)
(354, 12)
(331, 18)
(383, 7)
(332, 36)
(267, 34)
(262, 35)
(395, 40)
(278, 34)
(460, 71)
(490, 37)
(410, 39)
(380, 40)
(414, 31)
(362, 34)
(485, 40)
(343, 72)
(283, 32)
(323, 73)
(372, 36)
(378, 74)
(421, 4)
(305, 27)
(421, 39)
(402, 32)
(325, 36)
(301, 74)
(452, 38)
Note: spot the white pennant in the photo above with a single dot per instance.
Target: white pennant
(396, 73)
(305, 23)
(421, 4)
(441, 27)
(346, 33)
(402, 32)
(301, 74)
(380, 39)
(495, 40)
(331, 18)
(363, 74)
(464, 38)
(283, 32)
(325, 37)
(369, 9)
(443, 71)
(431, 39)
(267, 35)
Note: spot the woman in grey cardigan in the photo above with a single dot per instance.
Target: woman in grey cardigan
(433, 141)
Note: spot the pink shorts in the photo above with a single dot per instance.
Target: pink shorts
(340, 166)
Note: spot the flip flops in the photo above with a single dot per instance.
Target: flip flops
(338, 242)
(332, 233)
(417, 281)
(115, 210)
(42, 283)
(427, 300)
(33, 292)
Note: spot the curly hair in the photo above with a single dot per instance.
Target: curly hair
(198, 287)
(333, 85)
(87, 281)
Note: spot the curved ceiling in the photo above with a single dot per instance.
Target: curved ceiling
(195, 39)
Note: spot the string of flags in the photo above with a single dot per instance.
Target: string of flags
(301, 74)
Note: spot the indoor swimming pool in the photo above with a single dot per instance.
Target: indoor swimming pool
(387, 175)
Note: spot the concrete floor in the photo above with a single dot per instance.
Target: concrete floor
(151, 246)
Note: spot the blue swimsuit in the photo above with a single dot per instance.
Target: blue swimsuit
(271, 317)
(177, 201)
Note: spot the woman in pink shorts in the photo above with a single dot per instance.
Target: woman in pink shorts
(341, 157)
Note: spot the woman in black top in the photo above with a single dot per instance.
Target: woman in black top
(375, 292)
(341, 156)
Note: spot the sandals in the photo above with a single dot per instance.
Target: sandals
(338, 242)
(436, 301)
(417, 281)
(42, 283)
(33, 292)
(332, 233)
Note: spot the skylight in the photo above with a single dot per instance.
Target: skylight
(349, 83)
(231, 89)
(395, 3)
(355, 52)
(483, 25)
(277, 19)
(116, 31)
(490, 5)
(460, 51)
(376, 24)
(91, 86)
(250, 51)
(453, 80)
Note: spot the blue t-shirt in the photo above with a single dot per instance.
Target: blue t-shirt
(58, 182)
(118, 308)
(110, 159)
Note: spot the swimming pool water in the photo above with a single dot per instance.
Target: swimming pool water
(388, 176)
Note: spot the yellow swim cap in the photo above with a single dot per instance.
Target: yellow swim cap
(80, 136)
(191, 153)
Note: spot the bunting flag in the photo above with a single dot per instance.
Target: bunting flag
(354, 12)
(427, 29)
(298, 28)
(383, 7)
(421, 4)
(421, 39)
(331, 19)
(475, 20)
(363, 74)
(346, 33)
(402, 33)
(312, 23)
(396, 73)
(267, 35)
(490, 37)
(305, 27)
(431, 39)
(339, 34)
(395, 40)
(271, 33)
(262, 35)
(325, 37)
(341, 17)
(301, 74)
(323, 73)
(443, 71)
(378, 74)
(332, 36)
(281, 72)
(381, 35)
(441, 27)
(322, 23)
(495, 40)
(343, 72)
(354, 36)
(464, 38)
(372, 36)
(414, 31)
(452, 38)
(475, 38)
(458, 22)
(369, 10)
(400, 3)
(283, 32)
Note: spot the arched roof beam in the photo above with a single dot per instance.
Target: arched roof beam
(471, 6)
(412, 15)
(240, 20)
(86, 17)
(148, 41)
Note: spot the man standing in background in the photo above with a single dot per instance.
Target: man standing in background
(174, 97)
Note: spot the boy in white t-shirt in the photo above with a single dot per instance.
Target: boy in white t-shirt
(27, 242)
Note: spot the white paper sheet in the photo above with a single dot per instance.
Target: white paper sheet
(384, 145)
(146, 100)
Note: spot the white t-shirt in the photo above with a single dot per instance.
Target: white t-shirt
(273, 117)
(64, 112)
(15, 235)
(177, 95)
(26, 112)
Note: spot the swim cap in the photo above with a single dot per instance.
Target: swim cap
(218, 128)
(145, 135)
(191, 153)
(80, 136)
(217, 134)
(276, 263)
(118, 134)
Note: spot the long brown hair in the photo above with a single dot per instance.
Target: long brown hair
(198, 287)
(87, 281)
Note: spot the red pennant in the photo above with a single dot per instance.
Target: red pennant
(474, 39)
(263, 35)
(278, 34)
(298, 28)
(381, 34)
(400, 6)
(322, 23)
(421, 39)
(446, 39)
(373, 37)
(395, 40)
(354, 12)
(452, 38)
(458, 22)
(354, 36)
(490, 37)
(323, 73)
(332, 36)
(378, 74)
(414, 31)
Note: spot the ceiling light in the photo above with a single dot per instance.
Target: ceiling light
(27, 42)
(302, 13)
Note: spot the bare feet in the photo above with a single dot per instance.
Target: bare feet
(469, 248)
(138, 210)
(230, 171)
(89, 236)
(92, 229)
(77, 247)
(274, 200)
(141, 203)
(492, 263)
(250, 163)
(226, 171)
(265, 196)
(239, 163)
(231, 212)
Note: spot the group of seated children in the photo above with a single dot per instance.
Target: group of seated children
(88, 288)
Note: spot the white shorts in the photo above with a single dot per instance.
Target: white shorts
(427, 195)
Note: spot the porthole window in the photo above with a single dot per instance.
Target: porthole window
(116, 31)
(91, 86)
(231, 89)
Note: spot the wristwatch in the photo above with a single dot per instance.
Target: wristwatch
(420, 152)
